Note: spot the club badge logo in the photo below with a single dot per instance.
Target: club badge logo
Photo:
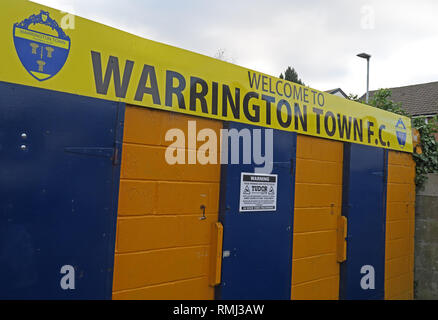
(42, 54)
(400, 130)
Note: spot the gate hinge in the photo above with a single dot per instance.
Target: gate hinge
(341, 239)
(117, 153)
(92, 151)
(379, 173)
(216, 254)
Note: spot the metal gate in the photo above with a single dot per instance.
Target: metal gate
(364, 202)
(59, 175)
(257, 246)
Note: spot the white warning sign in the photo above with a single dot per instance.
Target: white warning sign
(258, 192)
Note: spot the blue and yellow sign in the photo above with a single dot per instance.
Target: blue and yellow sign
(113, 65)
(42, 55)
(401, 133)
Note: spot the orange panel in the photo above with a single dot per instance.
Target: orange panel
(163, 247)
(137, 197)
(314, 243)
(320, 172)
(141, 269)
(396, 267)
(309, 269)
(397, 229)
(397, 211)
(401, 174)
(155, 232)
(319, 149)
(148, 163)
(397, 286)
(397, 248)
(400, 193)
(193, 289)
(152, 197)
(187, 197)
(315, 219)
(318, 197)
(400, 158)
(150, 127)
(400, 218)
(137, 122)
(322, 289)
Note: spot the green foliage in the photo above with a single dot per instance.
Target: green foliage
(354, 97)
(381, 100)
(291, 75)
(427, 160)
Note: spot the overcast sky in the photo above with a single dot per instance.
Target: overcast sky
(320, 39)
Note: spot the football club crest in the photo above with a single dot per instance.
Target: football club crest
(401, 133)
(42, 54)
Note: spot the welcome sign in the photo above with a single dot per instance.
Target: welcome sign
(98, 61)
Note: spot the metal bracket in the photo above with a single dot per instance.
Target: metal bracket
(91, 151)
(203, 213)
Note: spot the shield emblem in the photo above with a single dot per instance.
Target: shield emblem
(401, 133)
(42, 55)
(401, 137)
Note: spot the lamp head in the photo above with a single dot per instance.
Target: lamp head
(364, 55)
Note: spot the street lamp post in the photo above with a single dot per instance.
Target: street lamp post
(366, 56)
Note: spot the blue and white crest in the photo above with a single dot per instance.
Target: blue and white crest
(42, 55)
(400, 130)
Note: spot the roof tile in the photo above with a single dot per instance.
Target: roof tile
(419, 99)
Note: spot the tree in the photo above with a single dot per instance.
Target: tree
(221, 54)
(381, 99)
(291, 75)
(427, 160)
(354, 97)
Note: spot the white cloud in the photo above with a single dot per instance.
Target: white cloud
(320, 39)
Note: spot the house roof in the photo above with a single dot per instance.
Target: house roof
(417, 100)
(337, 90)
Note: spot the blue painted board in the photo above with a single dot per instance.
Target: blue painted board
(364, 203)
(258, 245)
(58, 192)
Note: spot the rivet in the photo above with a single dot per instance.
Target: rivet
(24, 136)
(23, 147)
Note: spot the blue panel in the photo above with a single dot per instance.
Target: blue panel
(260, 243)
(364, 202)
(59, 194)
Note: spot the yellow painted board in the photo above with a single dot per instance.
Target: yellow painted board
(322, 289)
(309, 268)
(327, 195)
(159, 76)
(319, 172)
(315, 219)
(158, 232)
(192, 289)
(158, 123)
(317, 233)
(140, 269)
(217, 234)
(164, 249)
(319, 149)
(138, 197)
(149, 163)
(400, 217)
(397, 229)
